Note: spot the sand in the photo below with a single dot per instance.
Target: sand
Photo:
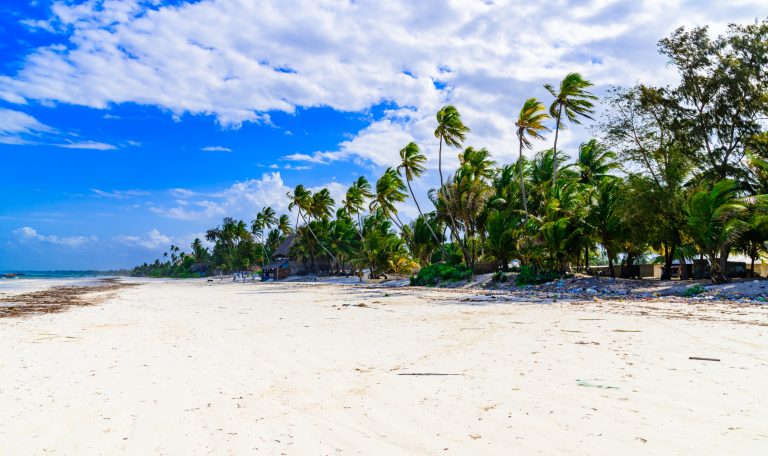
(186, 368)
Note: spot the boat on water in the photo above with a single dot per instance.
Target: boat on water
(11, 275)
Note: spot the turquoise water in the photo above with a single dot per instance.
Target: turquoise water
(55, 274)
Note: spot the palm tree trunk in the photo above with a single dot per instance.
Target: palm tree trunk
(522, 180)
(442, 248)
(318, 241)
(554, 148)
(586, 260)
(440, 161)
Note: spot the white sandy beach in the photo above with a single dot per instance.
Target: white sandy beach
(186, 368)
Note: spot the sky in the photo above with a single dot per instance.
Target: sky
(130, 125)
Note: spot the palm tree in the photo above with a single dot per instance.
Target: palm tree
(318, 205)
(450, 130)
(712, 219)
(284, 225)
(529, 125)
(390, 189)
(595, 162)
(573, 98)
(411, 161)
(265, 219)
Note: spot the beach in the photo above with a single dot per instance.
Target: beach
(172, 367)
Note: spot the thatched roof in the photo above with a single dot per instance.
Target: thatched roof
(285, 247)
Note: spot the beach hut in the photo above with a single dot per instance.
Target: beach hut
(282, 265)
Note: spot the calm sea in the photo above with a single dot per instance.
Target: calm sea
(54, 274)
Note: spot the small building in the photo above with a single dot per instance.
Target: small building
(282, 265)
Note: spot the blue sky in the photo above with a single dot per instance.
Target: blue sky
(128, 125)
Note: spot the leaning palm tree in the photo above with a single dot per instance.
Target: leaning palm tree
(529, 125)
(573, 99)
(412, 163)
(265, 219)
(390, 189)
(451, 131)
(318, 205)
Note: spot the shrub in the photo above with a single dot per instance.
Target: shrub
(499, 277)
(531, 276)
(440, 272)
(694, 290)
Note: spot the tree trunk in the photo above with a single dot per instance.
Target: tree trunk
(442, 248)
(669, 256)
(554, 153)
(522, 179)
(610, 263)
(440, 161)
(586, 260)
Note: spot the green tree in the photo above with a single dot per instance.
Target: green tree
(572, 99)
(530, 124)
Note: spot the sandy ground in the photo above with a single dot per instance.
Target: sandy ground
(186, 368)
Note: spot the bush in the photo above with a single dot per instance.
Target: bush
(499, 277)
(531, 276)
(694, 290)
(440, 272)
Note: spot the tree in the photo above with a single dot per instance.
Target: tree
(643, 128)
(412, 163)
(712, 219)
(451, 131)
(573, 99)
(722, 93)
(265, 219)
(529, 125)
(390, 189)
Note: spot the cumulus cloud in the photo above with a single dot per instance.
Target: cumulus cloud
(238, 60)
(242, 199)
(154, 239)
(28, 234)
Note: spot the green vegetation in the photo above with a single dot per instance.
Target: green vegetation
(528, 275)
(679, 172)
(694, 290)
(438, 273)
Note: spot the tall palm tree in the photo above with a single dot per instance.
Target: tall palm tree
(451, 131)
(356, 196)
(412, 163)
(529, 125)
(265, 219)
(390, 189)
(308, 205)
(573, 99)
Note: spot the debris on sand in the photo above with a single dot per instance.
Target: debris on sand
(58, 299)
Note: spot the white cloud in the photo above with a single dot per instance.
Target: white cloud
(28, 234)
(118, 194)
(216, 149)
(15, 124)
(87, 145)
(181, 192)
(154, 239)
(237, 60)
(242, 200)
